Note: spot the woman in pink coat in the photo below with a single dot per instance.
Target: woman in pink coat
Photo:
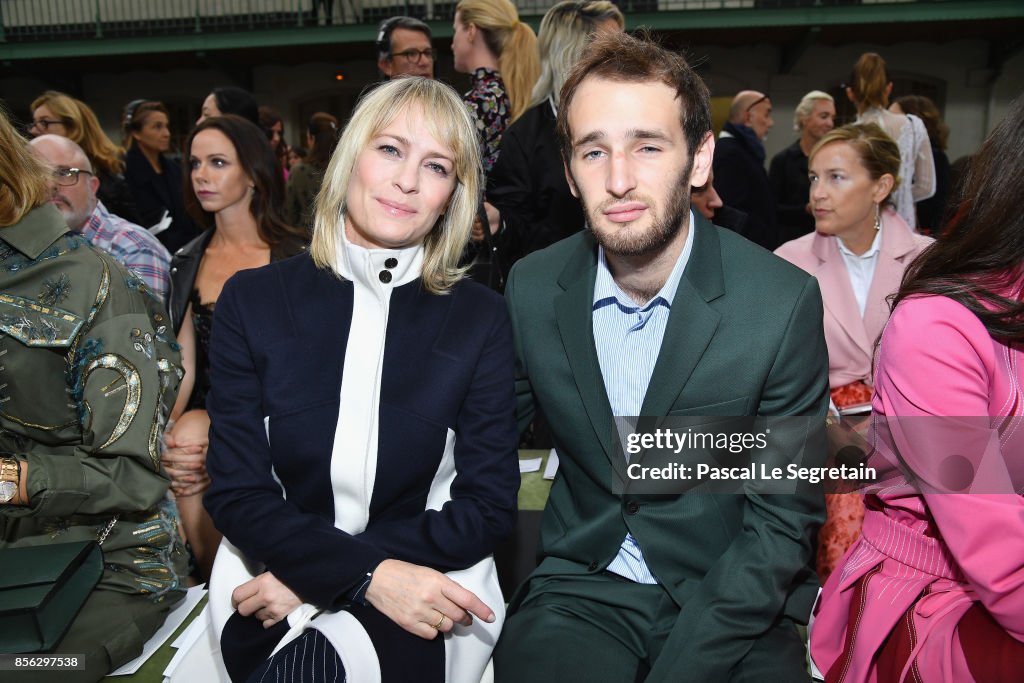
(934, 588)
(858, 253)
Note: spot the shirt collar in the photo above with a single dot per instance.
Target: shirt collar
(870, 253)
(607, 291)
(365, 266)
(36, 231)
(95, 221)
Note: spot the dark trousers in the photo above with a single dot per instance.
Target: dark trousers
(597, 628)
(602, 628)
(109, 631)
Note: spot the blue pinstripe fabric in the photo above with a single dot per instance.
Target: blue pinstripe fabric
(628, 338)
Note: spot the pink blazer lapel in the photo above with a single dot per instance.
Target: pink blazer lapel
(836, 291)
(897, 250)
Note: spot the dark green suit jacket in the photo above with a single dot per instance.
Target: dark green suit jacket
(744, 337)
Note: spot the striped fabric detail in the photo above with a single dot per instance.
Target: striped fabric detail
(132, 246)
(628, 339)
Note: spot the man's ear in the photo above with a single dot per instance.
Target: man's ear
(385, 66)
(94, 184)
(569, 179)
(702, 160)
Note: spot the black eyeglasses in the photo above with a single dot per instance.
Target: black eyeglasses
(66, 177)
(414, 56)
(43, 125)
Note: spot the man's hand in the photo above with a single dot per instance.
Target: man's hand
(184, 456)
(423, 601)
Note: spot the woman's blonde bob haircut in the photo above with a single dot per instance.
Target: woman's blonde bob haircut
(24, 181)
(447, 118)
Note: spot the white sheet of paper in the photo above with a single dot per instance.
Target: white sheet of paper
(174, 619)
(183, 643)
(530, 464)
(549, 471)
(162, 224)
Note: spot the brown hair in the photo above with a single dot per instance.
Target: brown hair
(924, 109)
(135, 115)
(869, 81)
(23, 180)
(324, 130)
(257, 160)
(84, 128)
(622, 57)
(878, 152)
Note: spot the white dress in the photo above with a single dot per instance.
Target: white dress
(917, 167)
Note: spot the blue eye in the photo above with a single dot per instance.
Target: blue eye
(389, 149)
(193, 164)
(438, 169)
(592, 154)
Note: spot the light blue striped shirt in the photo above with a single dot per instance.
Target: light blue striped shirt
(628, 339)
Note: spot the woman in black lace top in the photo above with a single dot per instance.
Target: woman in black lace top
(234, 191)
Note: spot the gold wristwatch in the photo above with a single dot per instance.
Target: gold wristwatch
(10, 479)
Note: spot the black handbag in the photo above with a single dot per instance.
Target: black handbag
(42, 589)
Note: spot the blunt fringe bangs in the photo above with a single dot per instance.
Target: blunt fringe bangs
(447, 119)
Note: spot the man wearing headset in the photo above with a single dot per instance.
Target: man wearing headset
(404, 49)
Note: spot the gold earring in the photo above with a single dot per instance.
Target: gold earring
(878, 217)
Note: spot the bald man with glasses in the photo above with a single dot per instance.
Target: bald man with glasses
(73, 186)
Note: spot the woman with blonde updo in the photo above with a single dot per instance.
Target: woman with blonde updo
(858, 253)
(59, 114)
(501, 54)
(869, 90)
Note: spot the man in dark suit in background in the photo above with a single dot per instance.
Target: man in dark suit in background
(739, 165)
(654, 312)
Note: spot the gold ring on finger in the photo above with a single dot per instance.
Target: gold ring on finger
(440, 622)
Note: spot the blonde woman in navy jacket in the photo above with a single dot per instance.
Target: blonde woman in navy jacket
(363, 443)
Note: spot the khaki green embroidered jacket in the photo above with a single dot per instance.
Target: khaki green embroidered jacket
(89, 370)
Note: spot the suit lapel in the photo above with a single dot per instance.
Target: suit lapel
(894, 253)
(691, 324)
(835, 279)
(574, 311)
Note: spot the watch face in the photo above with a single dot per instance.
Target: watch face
(7, 491)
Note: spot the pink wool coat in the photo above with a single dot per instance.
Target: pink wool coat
(936, 359)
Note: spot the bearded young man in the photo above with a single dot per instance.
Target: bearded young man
(654, 311)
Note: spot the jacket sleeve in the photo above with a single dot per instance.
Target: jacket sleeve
(482, 509)
(779, 177)
(936, 397)
(321, 563)
(124, 378)
(745, 593)
(923, 185)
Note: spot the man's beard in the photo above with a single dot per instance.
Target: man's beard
(624, 241)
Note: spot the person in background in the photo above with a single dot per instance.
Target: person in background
(155, 178)
(500, 52)
(75, 193)
(706, 200)
(787, 174)
(931, 211)
(858, 253)
(404, 48)
(273, 125)
(55, 113)
(869, 90)
(89, 372)
(234, 191)
(296, 155)
(527, 185)
(228, 99)
(933, 590)
(305, 178)
(389, 475)
(739, 165)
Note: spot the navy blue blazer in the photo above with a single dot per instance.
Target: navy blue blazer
(277, 352)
